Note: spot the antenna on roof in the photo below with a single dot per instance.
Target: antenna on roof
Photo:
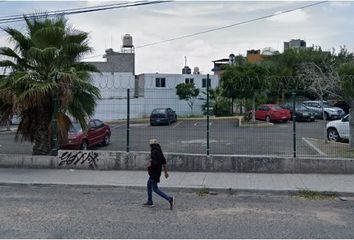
(185, 61)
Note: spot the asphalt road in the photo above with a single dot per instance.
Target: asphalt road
(190, 137)
(77, 212)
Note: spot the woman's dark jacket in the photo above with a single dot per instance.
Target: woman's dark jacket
(157, 160)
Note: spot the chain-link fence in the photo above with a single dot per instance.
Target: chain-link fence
(148, 107)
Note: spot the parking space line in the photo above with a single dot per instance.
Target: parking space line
(118, 126)
(195, 124)
(314, 147)
(177, 124)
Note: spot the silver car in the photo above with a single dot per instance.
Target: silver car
(329, 111)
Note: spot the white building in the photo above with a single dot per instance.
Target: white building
(147, 90)
(159, 90)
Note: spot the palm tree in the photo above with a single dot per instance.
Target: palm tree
(43, 70)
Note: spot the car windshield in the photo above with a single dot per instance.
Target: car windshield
(326, 105)
(158, 111)
(300, 107)
(276, 107)
(75, 128)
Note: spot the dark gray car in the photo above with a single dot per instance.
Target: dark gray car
(302, 113)
(162, 116)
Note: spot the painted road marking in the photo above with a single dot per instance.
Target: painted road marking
(313, 147)
(177, 124)
(195, 124)
(118, 126)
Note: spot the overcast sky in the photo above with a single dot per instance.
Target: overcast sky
(329, 25)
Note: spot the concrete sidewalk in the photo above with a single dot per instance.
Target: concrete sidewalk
(182, 180)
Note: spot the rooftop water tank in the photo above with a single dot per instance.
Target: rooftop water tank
(127, 41)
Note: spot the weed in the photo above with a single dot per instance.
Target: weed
(203, 191)
(314, 195)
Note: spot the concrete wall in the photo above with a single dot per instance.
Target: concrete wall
(109, 160)
(117, 62)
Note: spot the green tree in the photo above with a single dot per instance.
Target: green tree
(285, 69)
(42, 66)
(346, 73)
(244, 81)
(187, 92)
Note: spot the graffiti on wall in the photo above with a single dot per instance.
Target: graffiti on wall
(74, 158)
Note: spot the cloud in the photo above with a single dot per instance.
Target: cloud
(297, 16)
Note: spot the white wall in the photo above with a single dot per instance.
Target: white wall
(166, 97)
(113, 87)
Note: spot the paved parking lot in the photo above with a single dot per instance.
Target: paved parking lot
(189, 136)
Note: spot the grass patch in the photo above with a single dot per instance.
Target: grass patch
(314, 195)
(203, 191)
(347, 154)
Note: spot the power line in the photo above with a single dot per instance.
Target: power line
(18, 18)
(221, 28)
(231, 25)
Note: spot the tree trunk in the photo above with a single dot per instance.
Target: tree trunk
(8, 128)
(254, 108)
(241, 106)
(325, 122)
(351, 125)
(41, 144)
(232, 106)
(282, 97)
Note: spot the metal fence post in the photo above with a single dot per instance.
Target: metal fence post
(54, 137)
(207, 91)
(128, 119)
(294, 125)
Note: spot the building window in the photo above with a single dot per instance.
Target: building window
(189, 80)
(204, 81)
(160, 82)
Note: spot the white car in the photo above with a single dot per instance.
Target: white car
(338, 130)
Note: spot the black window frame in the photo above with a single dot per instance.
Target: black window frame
(189, 80)
(160, 82)
(204, 82)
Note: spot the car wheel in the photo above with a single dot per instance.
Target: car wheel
(106, 140)
(333, 135)
(267, 119)
(84, 145)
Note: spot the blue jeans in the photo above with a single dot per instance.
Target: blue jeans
(152, 186)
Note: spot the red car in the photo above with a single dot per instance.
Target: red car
(272, 112)
(98, 133)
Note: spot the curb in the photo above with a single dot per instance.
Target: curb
(261, 125)
(195, 189)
